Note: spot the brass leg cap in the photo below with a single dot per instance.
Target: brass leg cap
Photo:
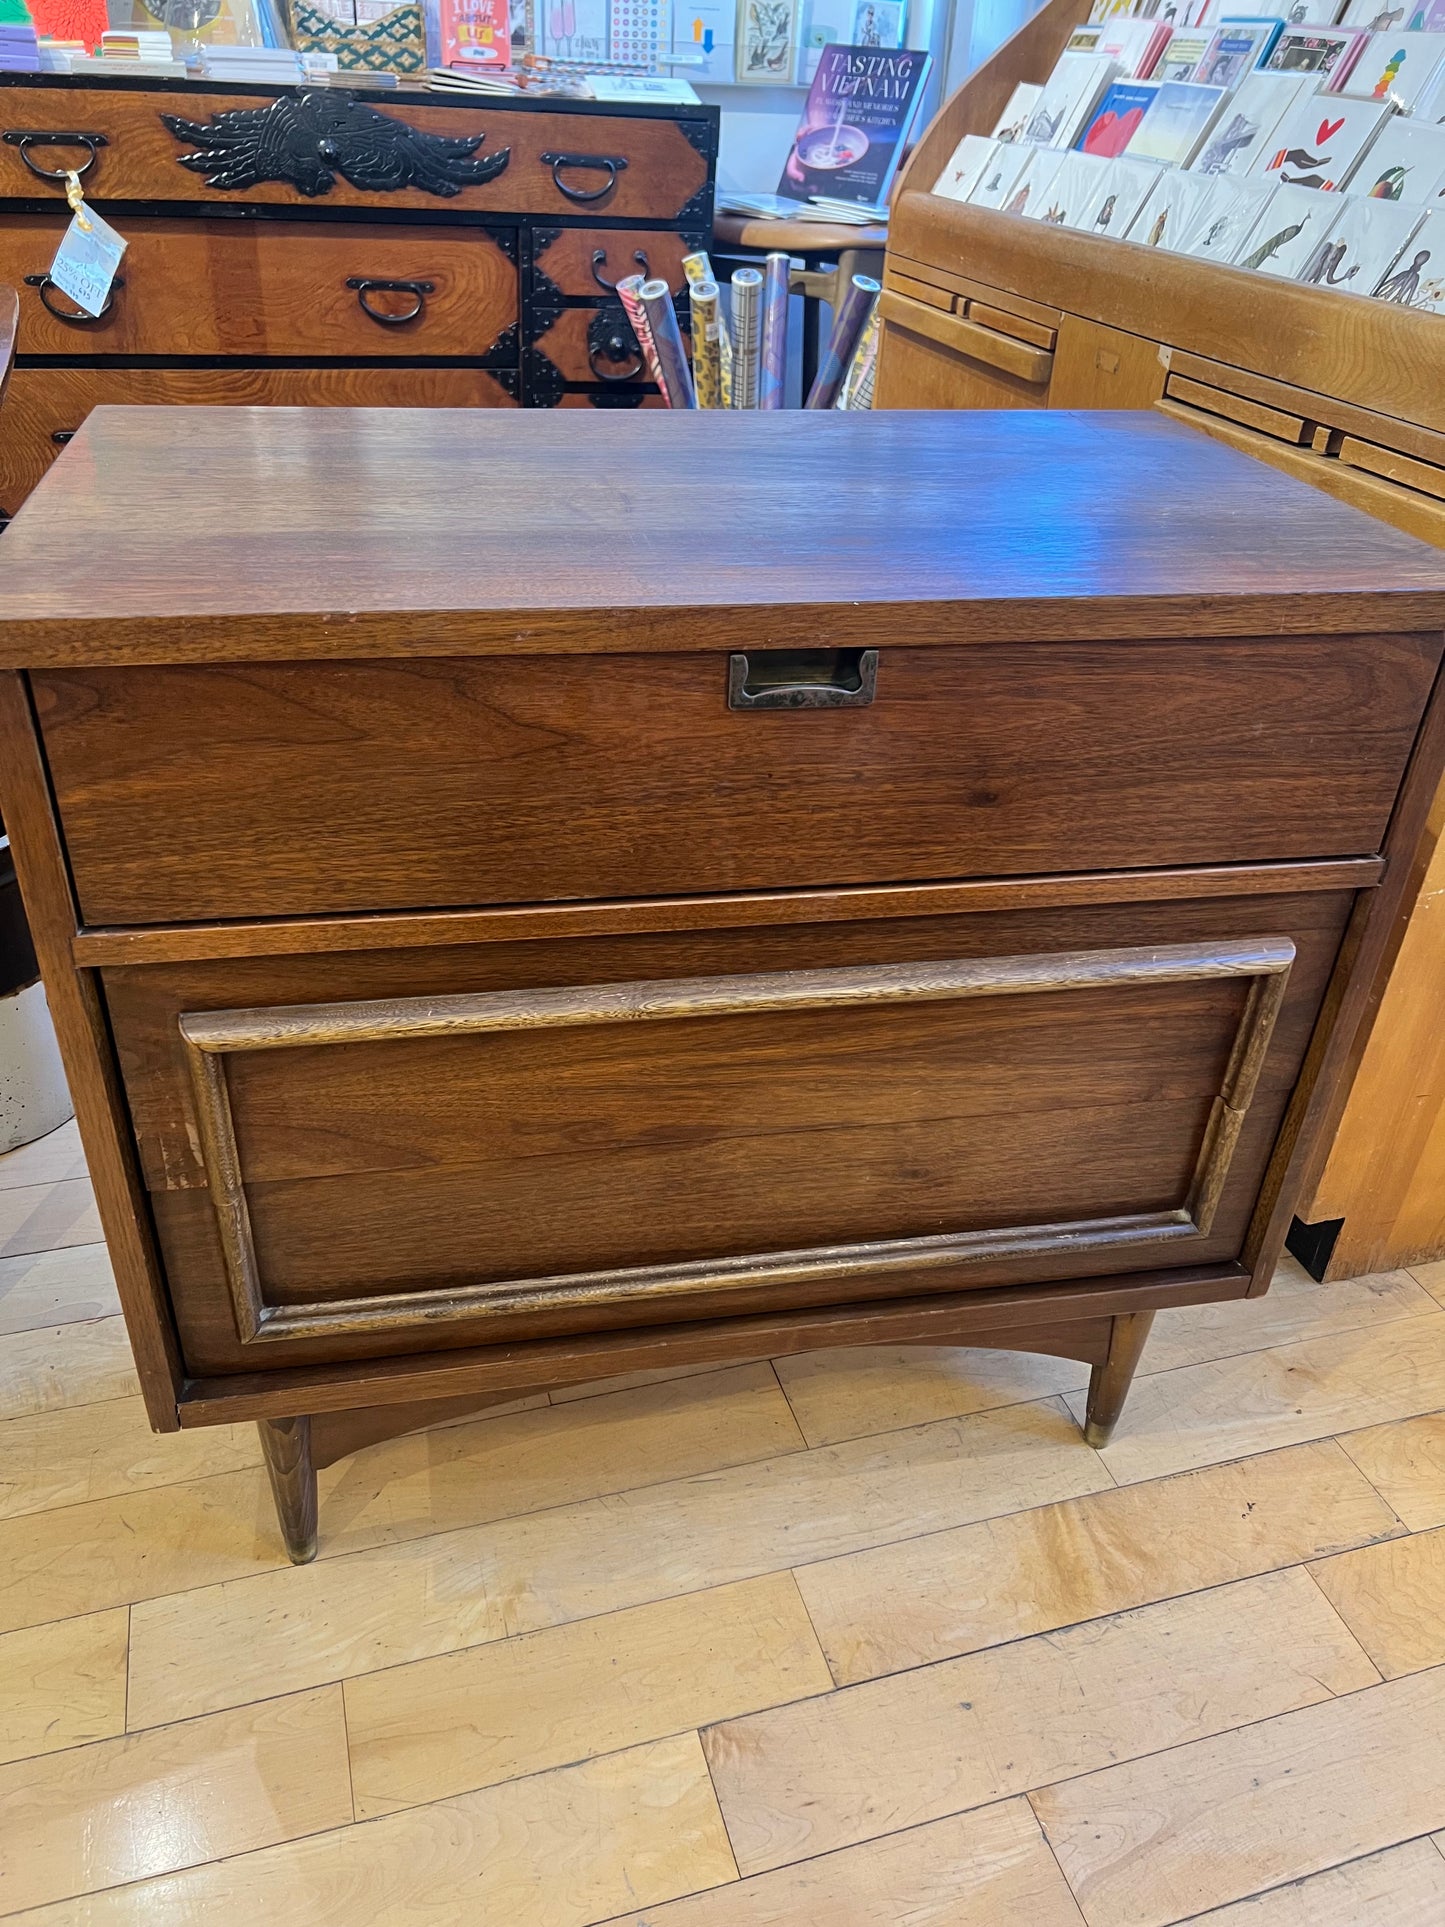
(1097, 1435)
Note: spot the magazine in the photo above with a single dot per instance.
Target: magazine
(850, 140)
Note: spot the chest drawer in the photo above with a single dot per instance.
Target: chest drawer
(45, 406)
(591, 261)
(272, 288)
(196, 792)
(396, 1151)
(622, 166)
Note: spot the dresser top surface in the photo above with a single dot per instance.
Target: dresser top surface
(194, 534)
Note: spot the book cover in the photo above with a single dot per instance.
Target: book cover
(965, 165)
(1301, 50)
(1417, 279)
(1394, 67)
(1070, 94)
(1171, 209)
(1363, 245)
(1016, 116)
(858, 112)
(475, 31)
(1071, 190)
(1122, 190)
(1229, 219)
(1296, 221)
(996, 181)
(1181, 57)
(1405, 163)
(1320, 140)
(1176, 123)
(1247, 121)
(1026, 196)
(1115, 120)
(1234, 51)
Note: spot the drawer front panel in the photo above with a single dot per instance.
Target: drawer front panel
(589, 262)
(191, 793)
(379, 1172)
(656, 168)
(45, 406)
(274, 288)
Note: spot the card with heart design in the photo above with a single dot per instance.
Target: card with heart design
(1320, 141)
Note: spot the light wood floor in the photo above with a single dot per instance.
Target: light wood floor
(861, 1640)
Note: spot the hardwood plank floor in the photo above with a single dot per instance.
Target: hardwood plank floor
(859, 1640)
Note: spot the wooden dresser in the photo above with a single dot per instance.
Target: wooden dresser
(327, 247)
(503, 935)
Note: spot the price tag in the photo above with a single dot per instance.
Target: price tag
(86, 260)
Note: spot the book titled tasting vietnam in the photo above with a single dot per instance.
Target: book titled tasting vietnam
(850, 140)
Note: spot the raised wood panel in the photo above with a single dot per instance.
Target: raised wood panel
(141, 160)
(967, 338)
(1389, 462)
(1426, 445)
(944, 276)
(271, 288)
(45, 403)
(1001, 321)
(924, 291)
(274, 791)
(915, 372)
(1265, 420)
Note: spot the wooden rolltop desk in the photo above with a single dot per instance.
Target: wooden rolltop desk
(989, 310)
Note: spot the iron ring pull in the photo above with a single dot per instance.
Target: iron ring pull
(613, 163)
(77, 317)
(366, 284)
(599, 255)
(25, 138)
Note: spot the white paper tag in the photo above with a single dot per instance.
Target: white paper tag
(86, 261)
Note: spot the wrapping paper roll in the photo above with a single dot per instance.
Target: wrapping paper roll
(747, 302)
(676, 376)
(706, 358)
(773, 346)
(848, 324)
(698, 269)
(629, 293)
(857, 389)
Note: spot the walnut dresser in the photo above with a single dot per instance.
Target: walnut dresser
(331, 247)
(645, 889)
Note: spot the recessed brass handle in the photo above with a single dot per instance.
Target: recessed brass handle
(27, 137)
(76, 317)
(803, 679)
(368, 284)
(610, 164)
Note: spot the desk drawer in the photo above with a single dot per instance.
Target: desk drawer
(222, 287)
(655, 167)
(396, 1151)
(190, 793)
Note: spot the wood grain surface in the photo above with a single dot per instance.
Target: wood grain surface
(989, 527)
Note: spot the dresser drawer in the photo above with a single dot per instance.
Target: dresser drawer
(591, 261)
(555, 162)
(213, 287)
(44, 406)
(595, 345)
(196, 792)
(404, 1151)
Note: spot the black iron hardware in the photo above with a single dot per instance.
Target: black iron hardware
(27, 137)
(613, 353)
(367, 284)
(611, 164)
(599, 255)
(77, 317)
(803, 679)
(60, 436)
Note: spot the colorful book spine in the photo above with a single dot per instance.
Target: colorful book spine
(706, 358)
(676, 376)
(848, 324)
(773, 345)
(698, 268)
(629, 293)
(747, 288)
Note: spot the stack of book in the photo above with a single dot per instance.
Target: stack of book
(274, 66)
(19, 48)
(1311, 151)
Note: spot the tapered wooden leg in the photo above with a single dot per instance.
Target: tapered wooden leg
(286, 1443)
(1110, 1380)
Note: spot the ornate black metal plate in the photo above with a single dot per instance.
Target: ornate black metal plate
(310, 138)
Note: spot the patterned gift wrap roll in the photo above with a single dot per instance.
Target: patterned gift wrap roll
(706, 359)
(857, 389)
(698, 268)
(629, 293)
(848, 324)
(667, 338)
(747, 299)
(773, 347)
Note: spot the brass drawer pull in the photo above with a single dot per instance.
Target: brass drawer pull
(600, 255)
(27, 137)
(366, 284)
(77, 317)
(613, 164)
(803, 679)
